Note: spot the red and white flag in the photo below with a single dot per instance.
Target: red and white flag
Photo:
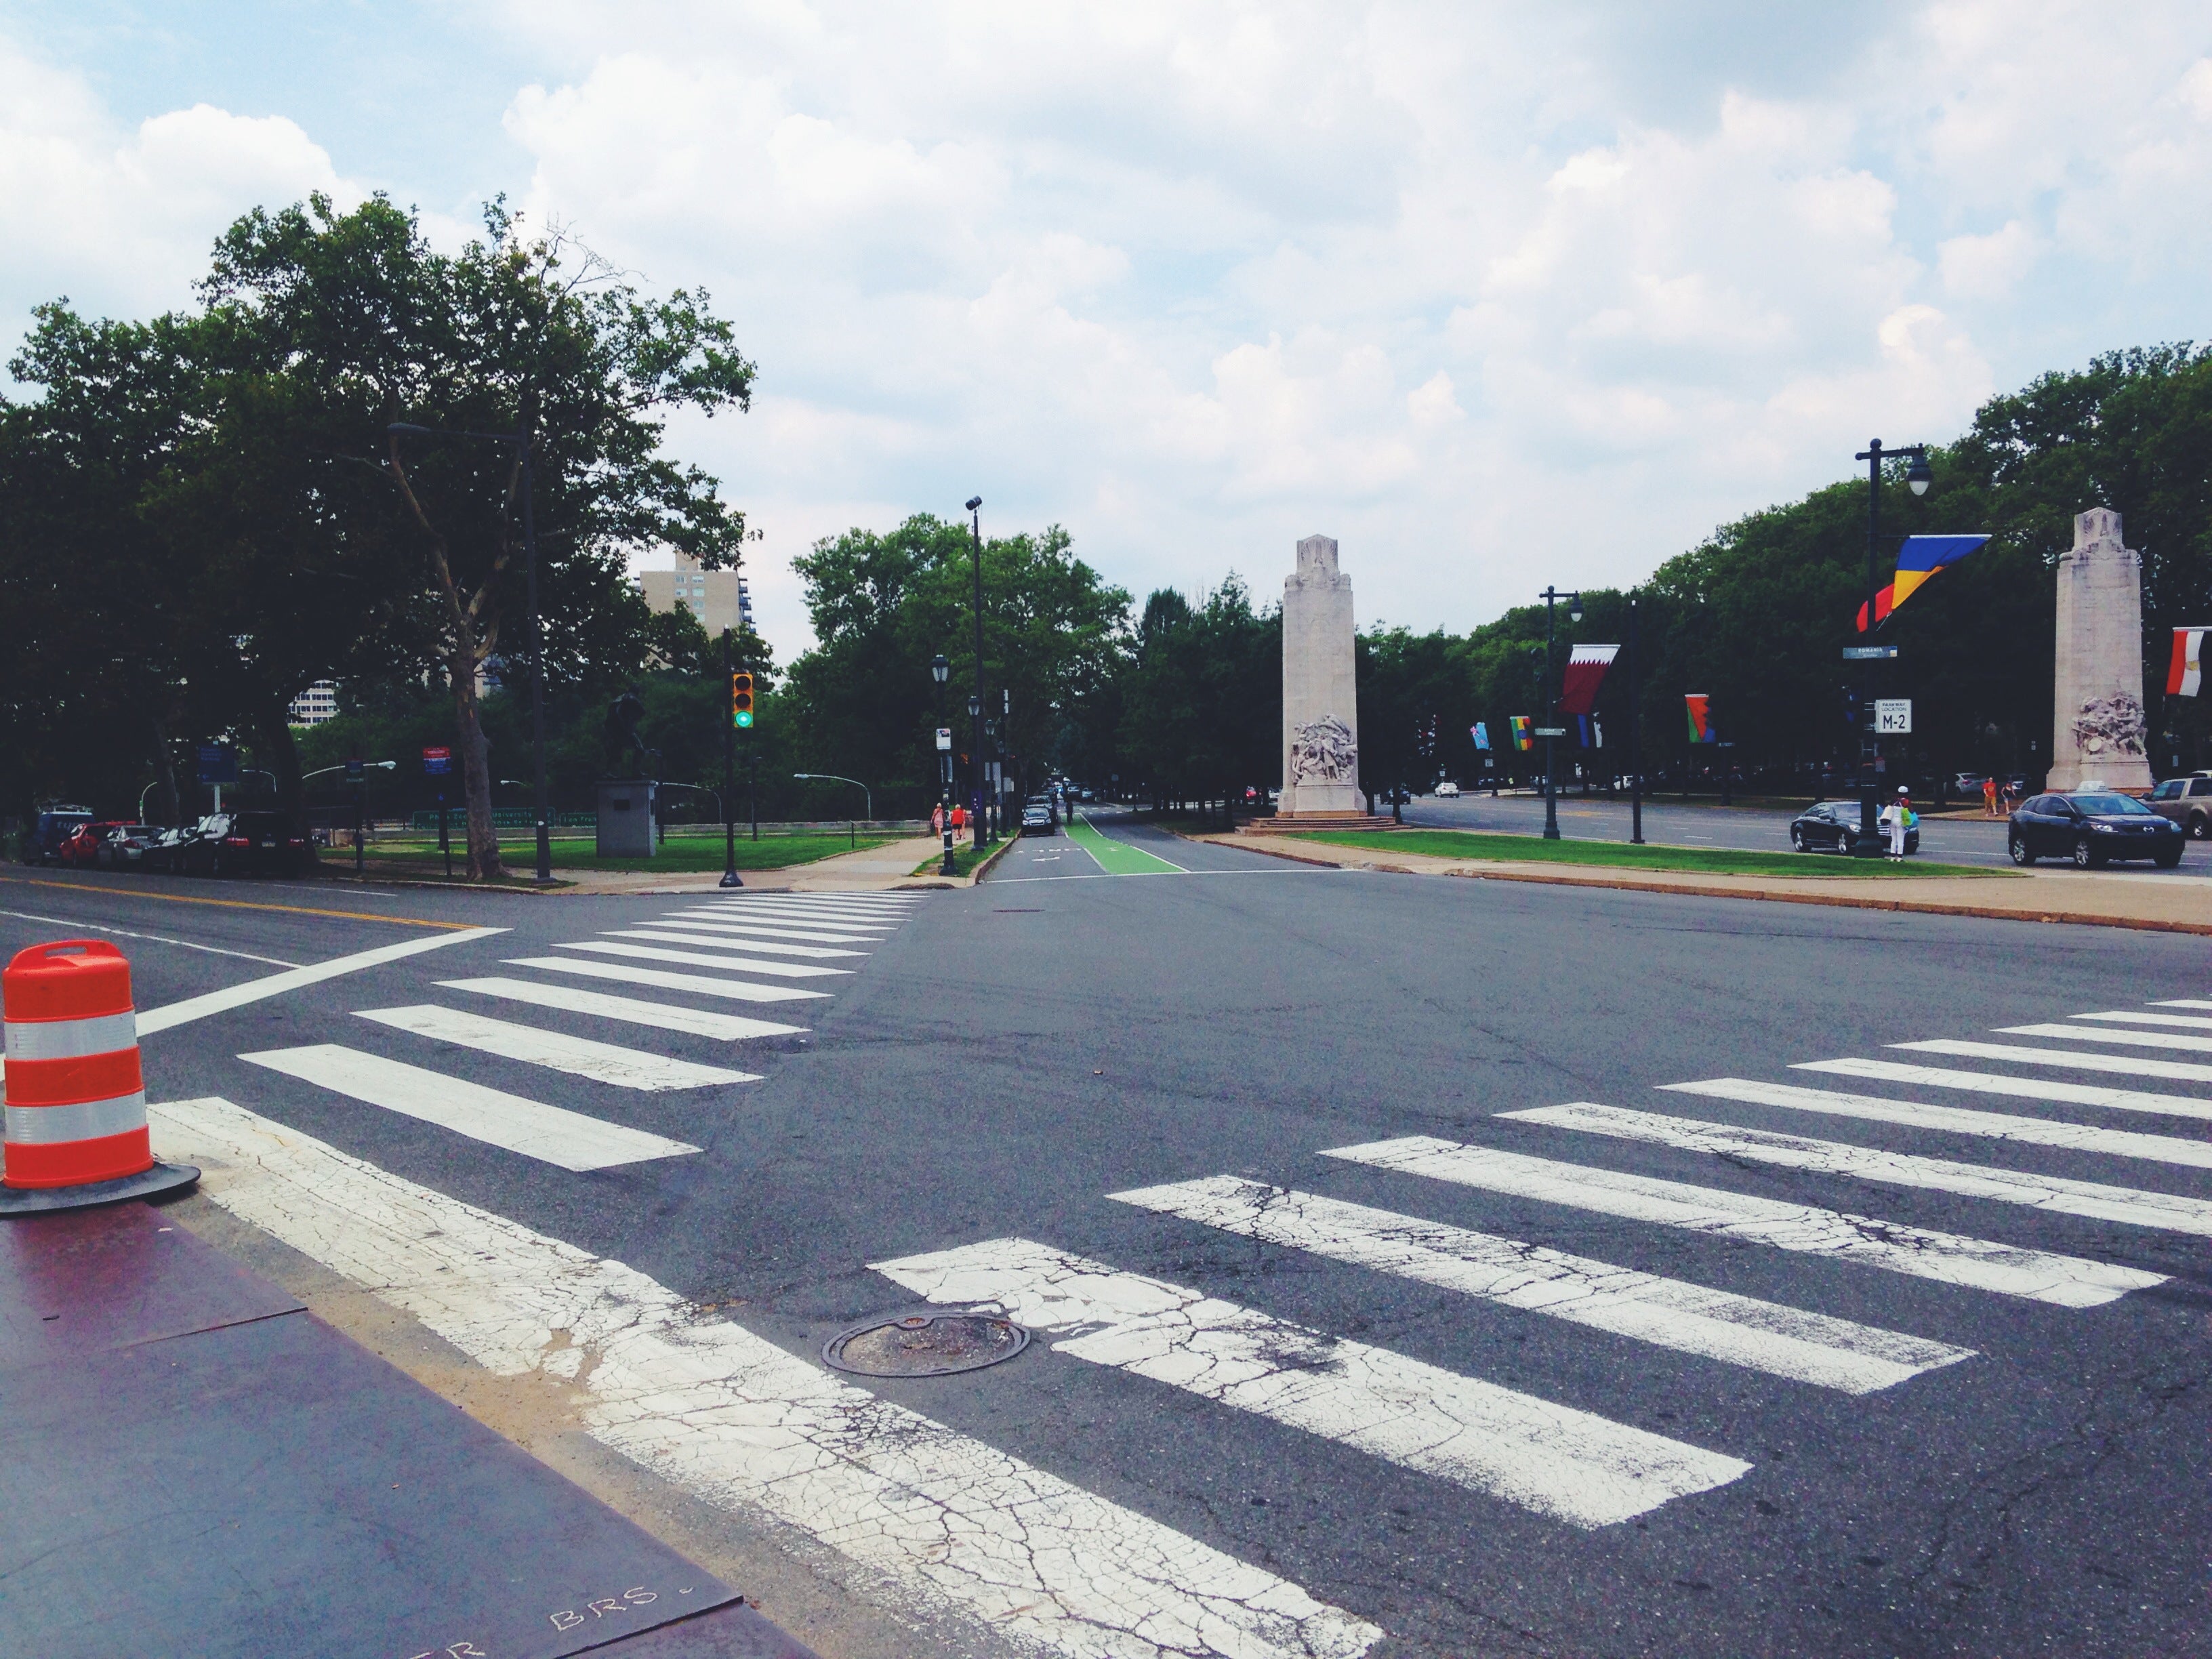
(2185, 677)
(1586, 666)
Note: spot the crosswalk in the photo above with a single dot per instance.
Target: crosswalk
(740, 949)
(1728, 1177)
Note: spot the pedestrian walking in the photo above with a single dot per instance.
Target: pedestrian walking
(936, 819)
(959, 821)
(1897, 817)
(1990, 795)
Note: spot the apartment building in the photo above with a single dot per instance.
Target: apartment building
(718, 597)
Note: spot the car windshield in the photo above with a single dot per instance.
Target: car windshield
(2110, 805)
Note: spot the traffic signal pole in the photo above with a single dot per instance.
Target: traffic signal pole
(729, 744)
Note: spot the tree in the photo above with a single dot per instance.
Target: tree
(515, 334)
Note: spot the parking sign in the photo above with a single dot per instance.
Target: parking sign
(1893, 717)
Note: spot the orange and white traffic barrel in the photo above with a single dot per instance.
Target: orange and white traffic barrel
(76, 1123)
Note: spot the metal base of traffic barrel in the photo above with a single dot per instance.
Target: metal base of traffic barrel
(43, 1200)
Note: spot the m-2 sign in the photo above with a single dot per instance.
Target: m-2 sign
(1893, 717)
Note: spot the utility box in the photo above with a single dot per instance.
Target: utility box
(628, 819)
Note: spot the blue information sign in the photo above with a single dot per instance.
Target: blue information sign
(218, 764)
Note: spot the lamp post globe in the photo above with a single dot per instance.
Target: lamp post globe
(939, 669)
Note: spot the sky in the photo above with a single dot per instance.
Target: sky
(1498, 296)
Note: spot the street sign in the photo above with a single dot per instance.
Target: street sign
(437, 761)
(1869, 653)
(944, 739)
(218, 764)
(1550, 732)
(357, 771)
(1893, 717)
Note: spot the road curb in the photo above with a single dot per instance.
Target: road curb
(1773, 896)
(946, 883)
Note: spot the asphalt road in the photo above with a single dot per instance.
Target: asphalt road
(1466, 1443)
(1704, 822)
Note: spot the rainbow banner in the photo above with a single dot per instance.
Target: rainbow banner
(1698, 705)
(1523, 734)
(1917, 562)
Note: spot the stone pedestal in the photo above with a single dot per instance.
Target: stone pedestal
(1320, 705)
(2098, 727)
(628, 823)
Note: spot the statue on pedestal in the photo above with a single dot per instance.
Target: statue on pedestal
(1321, 704)
(2099, 726)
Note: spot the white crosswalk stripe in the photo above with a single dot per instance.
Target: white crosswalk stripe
(2092, 1200)
(605, 1062)
(948, 1528)
(2175, 1022)
(2021, 1088)
(551, 1134)
(1573, 1466)
(818, 933)
(702, 959)
(1670, 1313)
(1920, 1252)
(673, 934)
(623, 974)
(2177, 1071)
(2173, 1040)
(1999, 1125)
(667, 1016)
(2198, 1003)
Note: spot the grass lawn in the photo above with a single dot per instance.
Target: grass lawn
(687, 855)
(1717, 860)
(965, 857)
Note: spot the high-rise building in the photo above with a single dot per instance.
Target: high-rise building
(717, 597)
(318, 703)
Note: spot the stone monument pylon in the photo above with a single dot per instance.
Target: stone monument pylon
(2097, 729)
(1320, 703)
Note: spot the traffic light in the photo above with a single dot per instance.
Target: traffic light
(741, 701)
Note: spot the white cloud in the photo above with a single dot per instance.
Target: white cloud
(1497, 295)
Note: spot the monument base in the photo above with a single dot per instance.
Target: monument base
(1291, 823)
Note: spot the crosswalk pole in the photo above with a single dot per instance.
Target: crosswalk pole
(729, 743)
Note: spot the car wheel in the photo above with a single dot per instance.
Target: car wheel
(2016, 850)
(2167, 860)
(2086, 857)
(1796, 839)
(2200, 827)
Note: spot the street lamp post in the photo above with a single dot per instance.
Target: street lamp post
(521, 442)
(1551, 596)
(1635, 736)
(975, 703)
(940, 670)
(730, 877)
(1918, 477)
(866, 793)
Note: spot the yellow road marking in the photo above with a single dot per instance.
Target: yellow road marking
(230, 904)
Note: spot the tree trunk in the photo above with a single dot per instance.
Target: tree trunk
(476, 769)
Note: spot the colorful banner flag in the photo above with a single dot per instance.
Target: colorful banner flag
(1696, 704)
(1523, 734)
(1917, 562)
(1586, 666)
(2185, 677)
(1582, 728)
(1481, 732)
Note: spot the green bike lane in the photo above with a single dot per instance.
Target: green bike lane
(1116, 857)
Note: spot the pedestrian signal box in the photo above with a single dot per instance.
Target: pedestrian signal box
(741, 701)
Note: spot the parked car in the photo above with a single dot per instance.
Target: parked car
(1036, 820)
(124, 847)
(80, 850)
(1834, 824)
(42, 841)
(228, 843)
(2092, 827)
(2187, 801)
(1447, 790)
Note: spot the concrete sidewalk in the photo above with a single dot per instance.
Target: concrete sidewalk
(872, 869)
(2154, 900)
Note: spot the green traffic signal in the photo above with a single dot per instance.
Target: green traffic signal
(744, 718)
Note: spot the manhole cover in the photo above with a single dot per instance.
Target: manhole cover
(925, 1344)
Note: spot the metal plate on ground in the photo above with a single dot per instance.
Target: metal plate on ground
(927, 1342)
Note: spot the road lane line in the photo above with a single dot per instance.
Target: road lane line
(2023, 1088)
(1573, 1465)
(739, 989)
(228, 904)
(701, 959)
(2195, 1045)
(156, 939)
(665, 1016)
(1670, 1313)
(293, 979)
(1918, 1252)
(674, 934)
(551, 1134)
(941, 1525)
(2179, 1070)
(2094, 1199)
(1996, 1125)
(603, 1062)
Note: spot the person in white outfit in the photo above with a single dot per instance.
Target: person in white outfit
(1897, 817)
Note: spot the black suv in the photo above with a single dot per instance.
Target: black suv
(2092, 828)
(227, 843)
